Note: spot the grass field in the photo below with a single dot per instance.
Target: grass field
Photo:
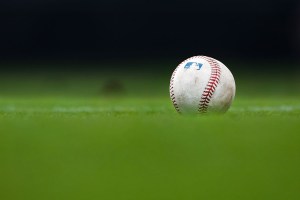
(64, 139)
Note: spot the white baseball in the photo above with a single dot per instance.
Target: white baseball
(202, 84)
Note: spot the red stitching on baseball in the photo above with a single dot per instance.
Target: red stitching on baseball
(211, 85)
(209, 89)
(172, 94)
(172, 82)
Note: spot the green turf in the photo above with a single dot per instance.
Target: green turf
(60, 148)
(81, 145)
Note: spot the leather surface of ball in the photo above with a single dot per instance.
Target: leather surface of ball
(201, 84)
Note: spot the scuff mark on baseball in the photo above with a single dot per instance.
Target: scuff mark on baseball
(207, 88)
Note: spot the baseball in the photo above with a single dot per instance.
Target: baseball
(201, 84)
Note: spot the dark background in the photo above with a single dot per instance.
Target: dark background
(85, 31)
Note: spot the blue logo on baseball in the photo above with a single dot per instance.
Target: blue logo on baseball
(193, 64)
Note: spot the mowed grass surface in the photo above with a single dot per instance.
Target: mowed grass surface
(142, 149)
(137, 147)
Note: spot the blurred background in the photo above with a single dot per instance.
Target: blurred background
(50, 40)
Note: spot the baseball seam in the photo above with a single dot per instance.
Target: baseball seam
(172, 94)
(211, 85)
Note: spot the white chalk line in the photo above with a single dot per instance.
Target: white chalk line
(282, 108)
(82, 109)
(142, 109)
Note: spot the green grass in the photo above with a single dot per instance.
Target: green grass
(64, 139)
(131, 148)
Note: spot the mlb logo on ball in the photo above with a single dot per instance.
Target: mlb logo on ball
(193, 64)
